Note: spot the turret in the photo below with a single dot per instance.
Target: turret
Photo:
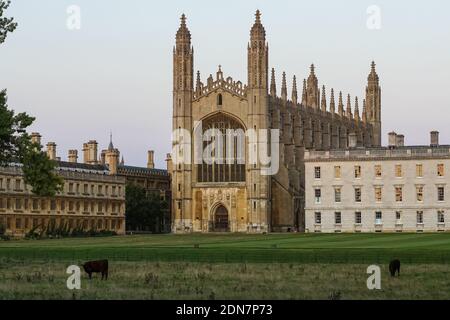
(112, 158)
(373, 104)
(183, 74)
(258, 187)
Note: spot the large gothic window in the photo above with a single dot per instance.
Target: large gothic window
(223, 158)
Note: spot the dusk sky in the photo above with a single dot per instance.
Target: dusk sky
(115, 73)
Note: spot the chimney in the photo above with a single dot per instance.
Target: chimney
(392, 139)
(150, 159)
(51, 150)
(36, 138)
(103, 157)
(169, 163)
(73, 156)
(400, 140)
(90, 152)
(352, 140)
(434, 138)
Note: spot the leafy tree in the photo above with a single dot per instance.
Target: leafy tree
(15, 143)
(144, 212)
(6, 24)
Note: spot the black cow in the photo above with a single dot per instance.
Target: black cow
(96, 267)
(394, 267)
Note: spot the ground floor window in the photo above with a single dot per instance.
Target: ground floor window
(419, 216)
(398, 216)
(318, 218)
(358, 218)
(441, 218)
(337, 218)
(378, 217)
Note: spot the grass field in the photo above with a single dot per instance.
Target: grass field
(217, 266)
(188, 280)
(300, 248)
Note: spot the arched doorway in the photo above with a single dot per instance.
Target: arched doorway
(221, 219)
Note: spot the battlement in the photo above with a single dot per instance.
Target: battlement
(234, 87)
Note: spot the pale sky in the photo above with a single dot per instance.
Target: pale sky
(115, 73)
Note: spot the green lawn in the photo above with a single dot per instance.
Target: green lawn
(231, 266)
(301, 248)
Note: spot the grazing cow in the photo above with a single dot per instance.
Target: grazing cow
(96, 267)
(394, 267)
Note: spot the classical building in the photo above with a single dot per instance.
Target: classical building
(93, 195)
(91, 199)
(390, 189)
(238, 196)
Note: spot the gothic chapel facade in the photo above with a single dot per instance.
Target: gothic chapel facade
(236, 197)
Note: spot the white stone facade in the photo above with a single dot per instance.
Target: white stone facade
(432, 214)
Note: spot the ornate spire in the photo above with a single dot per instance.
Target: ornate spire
(332, 103)
(183, 34)
(357, 118)
(323, 104)
(258, 53)
(198, 84)
(183, 59)
(294, 91)
(258, 16)
(284, 87)
(111, 145)
(364, 112)
(340, 105)
(373, 76)
(219, 75)
(348, 112)
(273, 85)
(304, 94)
(122, 162)
(313, 95)
(258, 32)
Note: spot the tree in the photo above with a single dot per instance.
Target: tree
(144, 212)
(15, 143)
(6, 24)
